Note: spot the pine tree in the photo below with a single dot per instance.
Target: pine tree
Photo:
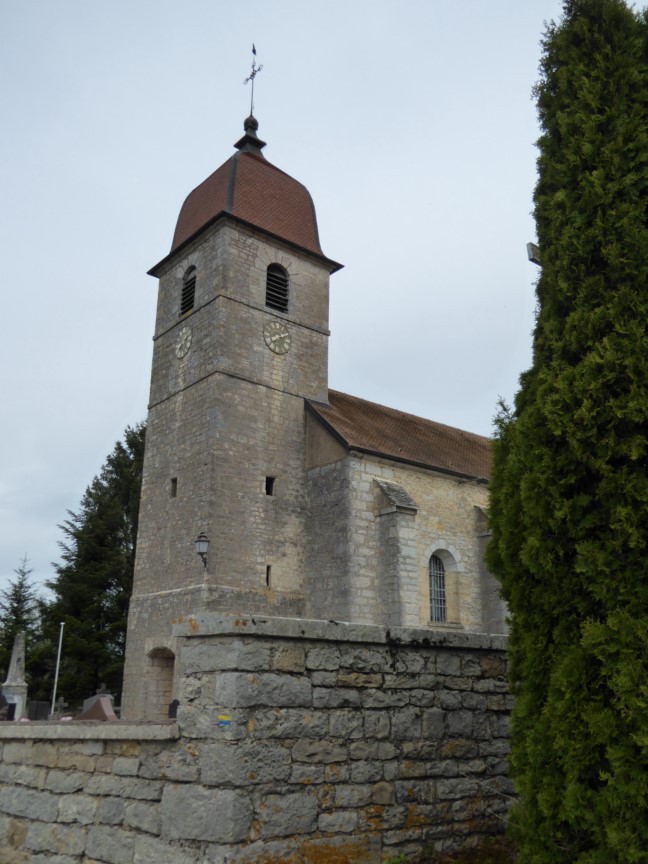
(20, 606)
(93, 583)
(569, 502)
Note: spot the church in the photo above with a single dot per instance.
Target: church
(301, 502)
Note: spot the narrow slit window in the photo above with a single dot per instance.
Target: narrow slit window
(277, 288)
(437, 590)
(269, 485)
(188, 291)
(174, 487)
(268, 569)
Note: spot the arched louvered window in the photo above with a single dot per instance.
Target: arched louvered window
(437, 589)
(277, 288)
(188, 291)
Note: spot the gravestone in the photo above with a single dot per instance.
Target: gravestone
(100, 692)
(38, 710)
(100, 709)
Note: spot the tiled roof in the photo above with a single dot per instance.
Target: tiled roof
(250, 188)
(372, 428)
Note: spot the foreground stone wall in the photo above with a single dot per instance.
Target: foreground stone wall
(296, 741)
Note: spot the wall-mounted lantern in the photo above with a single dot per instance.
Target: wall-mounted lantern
(202, 545)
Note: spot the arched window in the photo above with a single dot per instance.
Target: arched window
(437, 589)
(277, 288)
(188, 291)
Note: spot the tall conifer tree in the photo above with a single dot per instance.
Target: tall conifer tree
(569, 505)
(93, 584)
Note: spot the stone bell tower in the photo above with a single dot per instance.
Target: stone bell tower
(241, 340)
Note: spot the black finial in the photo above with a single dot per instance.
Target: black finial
(255, 71)
(250, 142)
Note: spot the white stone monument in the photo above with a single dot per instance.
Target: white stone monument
(15, 687)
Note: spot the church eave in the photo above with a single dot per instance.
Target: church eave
(427, 465)
(333, 266)
(383, 454)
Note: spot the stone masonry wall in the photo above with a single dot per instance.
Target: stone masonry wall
(297, 742)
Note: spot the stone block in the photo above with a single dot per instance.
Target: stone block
(290, 723)
(152, 850)
(65, 782)
(28, 803)
(17, 751)
(77, 808)
(268, 852)
(44, 837)
(376, 724)
(325, 697)
(110, 844)
(45, 754)
(346, 723)
(340, 822)
(352, 795)
(288, 658)
(471, 667)
(366, 772)
(455, 788)
(239, 689)
(76, 761)
(200, 721)
(243, 764)
(307, 774)
(22, 775)
(406, 724)
(422, 698)
(142, 816)
(368, 660)
(177, 763)
(223, 655)
(125, 787)
(319, 751)
(372, 750)
(364, 849)
(460, 724)
(323, 679)
(197, 813)
(448, 664)
(126, 766)
(359, 679)
(383, 793)
(382, 699)
(449, 701)
(323, 658)
(433, 724)
(459, 683)
(474, 701)
(110, 811)
(285, 815)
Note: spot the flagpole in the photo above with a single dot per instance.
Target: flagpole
(58, 663)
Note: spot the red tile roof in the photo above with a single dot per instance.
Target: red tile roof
(252, 189)
(372, 428)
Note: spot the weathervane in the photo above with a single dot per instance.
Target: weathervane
(255, 71)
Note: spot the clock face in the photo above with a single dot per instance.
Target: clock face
(277, 337)
(183, 342)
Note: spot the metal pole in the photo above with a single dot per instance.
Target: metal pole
(58, 663)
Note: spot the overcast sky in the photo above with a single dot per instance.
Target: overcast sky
(412, 124)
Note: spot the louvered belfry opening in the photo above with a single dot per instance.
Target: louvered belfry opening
(277, 288)
(188, 291)
(437, 589)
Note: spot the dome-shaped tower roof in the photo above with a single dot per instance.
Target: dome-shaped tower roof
(251, 189)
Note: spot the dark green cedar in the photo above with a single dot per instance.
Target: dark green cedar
(20, 609)
(569, 503)
(93, 584)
